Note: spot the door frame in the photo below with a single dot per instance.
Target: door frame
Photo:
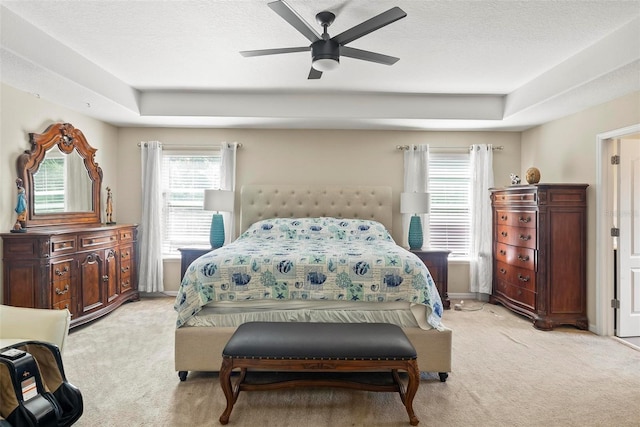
(605, 319)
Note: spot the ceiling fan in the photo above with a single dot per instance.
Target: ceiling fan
(325, 50)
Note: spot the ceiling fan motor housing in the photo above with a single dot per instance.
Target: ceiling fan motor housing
(325, 49)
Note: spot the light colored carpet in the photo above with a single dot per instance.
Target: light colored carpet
(505, 373)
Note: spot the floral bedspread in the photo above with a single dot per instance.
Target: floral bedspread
(309, 259)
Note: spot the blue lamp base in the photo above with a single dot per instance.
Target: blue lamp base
(216, 235)
(415, 233)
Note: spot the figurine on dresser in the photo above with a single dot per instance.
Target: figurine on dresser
(110, 220)
(21, 209)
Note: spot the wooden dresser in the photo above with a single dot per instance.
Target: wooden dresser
(90, 270)
(437, 261)
(59, 254)
(539, 246)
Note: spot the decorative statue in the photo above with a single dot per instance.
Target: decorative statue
(21, 209)
(515, 179)
(109, 207)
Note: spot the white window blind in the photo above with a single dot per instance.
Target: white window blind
(185, 177)
(49, 186)
(449, 186)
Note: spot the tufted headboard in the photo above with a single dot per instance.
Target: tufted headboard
(299, 201)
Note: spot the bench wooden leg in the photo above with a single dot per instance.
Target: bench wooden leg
(412, 388)
(225, 383)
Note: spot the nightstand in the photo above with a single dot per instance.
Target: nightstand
(188, 255)
(438, 265)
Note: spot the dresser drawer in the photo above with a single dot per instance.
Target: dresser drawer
(515, 198)
(516, 256)
(521, 296)
(126, 235)
(92, 240)
(61, 270)
(125, 269)
(516, 218)
(61, 290)
(516, 236)
(63, 244)
(125, 253)
(520, 277)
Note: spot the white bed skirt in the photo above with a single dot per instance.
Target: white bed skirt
(226, 314)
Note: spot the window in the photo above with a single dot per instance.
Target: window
(449, 185)
(185, 176)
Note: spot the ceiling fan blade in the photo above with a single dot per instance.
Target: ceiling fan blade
(263, 52)
(295, 20)
(367, 55)
(370, 25)
(314, 74)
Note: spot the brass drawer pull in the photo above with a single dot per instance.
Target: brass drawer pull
(105, 278)
(124, 269)
(124, 254)
(63, 271)
(63, 291)
(503, 271)
(525, 220)
(503, 252)
(523, 278)
(503, 217)
(525, 238)
(504, 234)
(125, 284)
(523, 258)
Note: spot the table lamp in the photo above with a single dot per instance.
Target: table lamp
(415, 203)
(218, 200)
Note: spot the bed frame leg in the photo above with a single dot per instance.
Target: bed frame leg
(183, 375)
(443, 376)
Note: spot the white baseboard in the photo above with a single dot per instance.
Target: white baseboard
(159, 294)
(456, 297)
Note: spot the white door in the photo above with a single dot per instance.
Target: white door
(629, 242)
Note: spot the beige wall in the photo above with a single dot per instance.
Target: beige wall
(309, 157)
(565, 151)
(21, 114)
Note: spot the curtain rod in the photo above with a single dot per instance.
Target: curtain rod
(408, 147)
(188, 147)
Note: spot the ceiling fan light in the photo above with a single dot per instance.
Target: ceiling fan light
(325, 64)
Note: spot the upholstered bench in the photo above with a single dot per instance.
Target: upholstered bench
(319, 347)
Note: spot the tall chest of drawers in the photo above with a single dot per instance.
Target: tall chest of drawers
(539, 252)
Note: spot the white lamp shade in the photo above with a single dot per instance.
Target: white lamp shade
(414, 203)
(325, 64)
(218, 200)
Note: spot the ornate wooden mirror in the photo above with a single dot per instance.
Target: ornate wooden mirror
(61, 178)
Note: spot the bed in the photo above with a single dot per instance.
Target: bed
(309, 254)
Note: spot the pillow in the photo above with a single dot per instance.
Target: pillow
(321, 228)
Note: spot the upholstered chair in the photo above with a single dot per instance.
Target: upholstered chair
(19, 324)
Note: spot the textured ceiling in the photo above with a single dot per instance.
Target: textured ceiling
(463, 64)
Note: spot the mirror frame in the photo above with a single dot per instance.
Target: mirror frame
(67, 138)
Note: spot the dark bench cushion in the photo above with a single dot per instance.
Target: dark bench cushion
(302, 340)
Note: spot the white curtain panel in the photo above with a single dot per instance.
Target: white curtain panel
(228, 182)
(416, 178)
(150, 231)
(481, 262)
